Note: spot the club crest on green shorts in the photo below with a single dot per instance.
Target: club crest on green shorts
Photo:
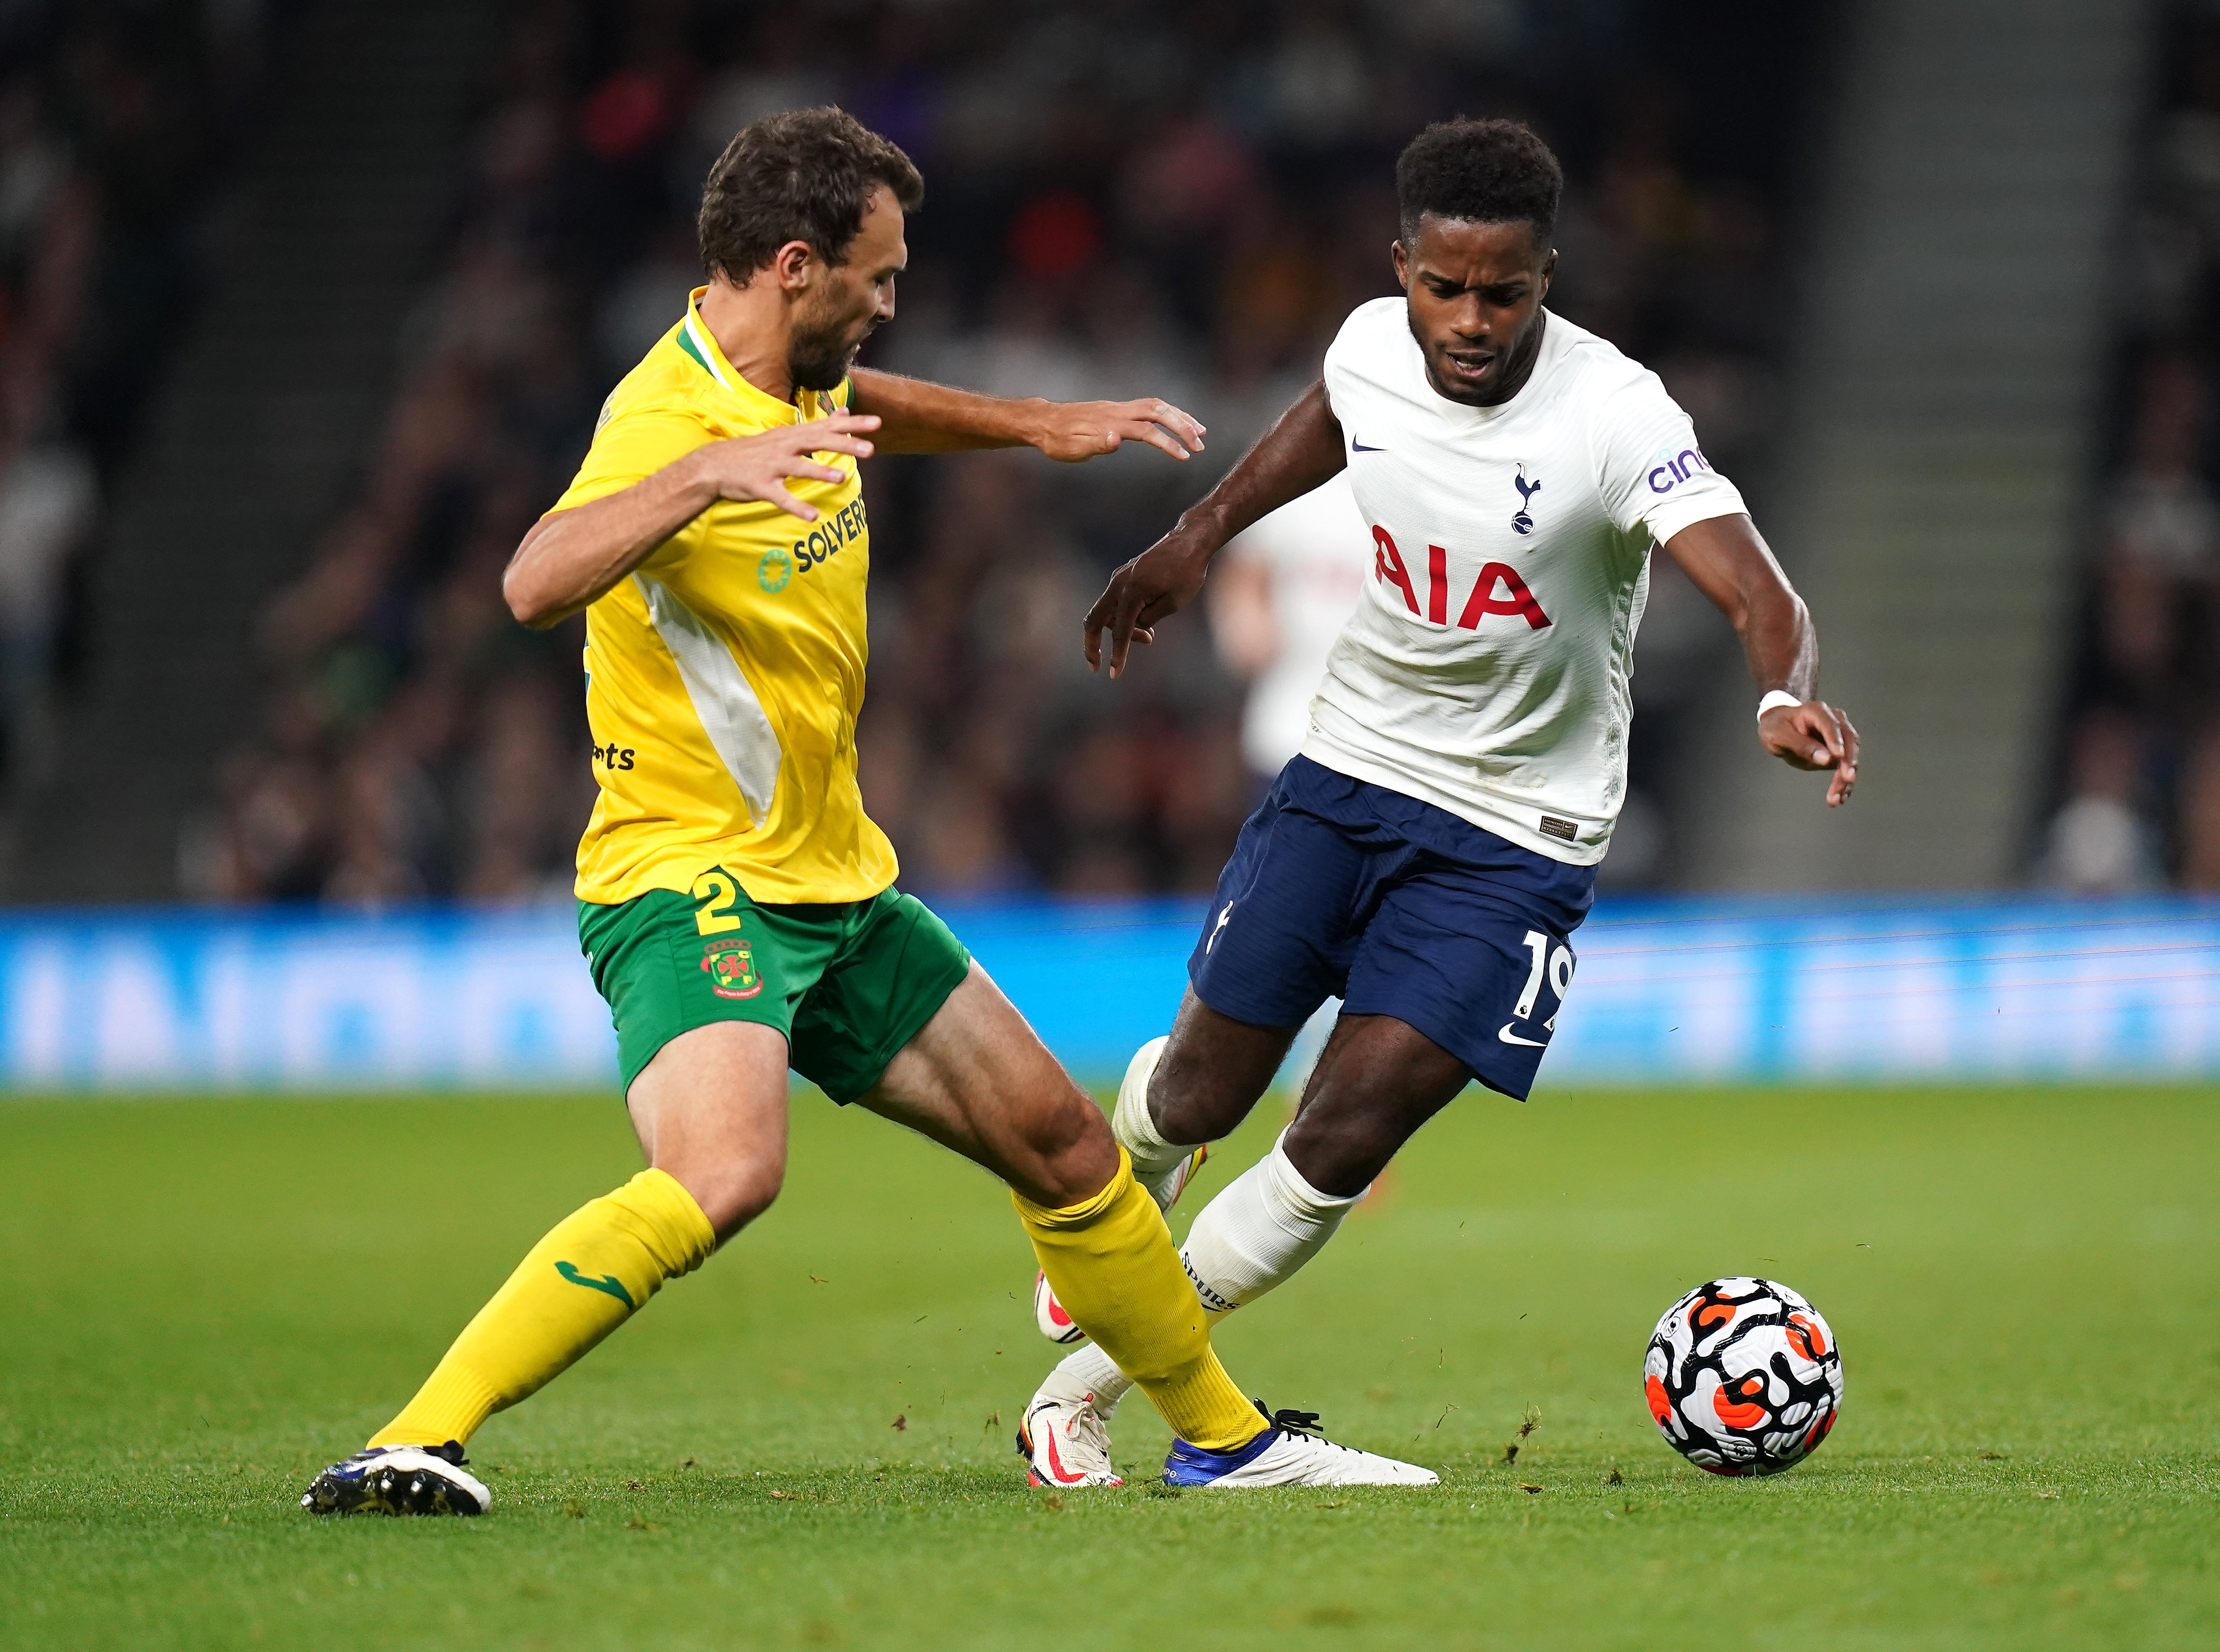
(731, 968)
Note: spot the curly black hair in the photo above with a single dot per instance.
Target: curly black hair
(806, 175)
(1483, 171)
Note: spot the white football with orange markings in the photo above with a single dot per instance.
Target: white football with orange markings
(1743, 1376)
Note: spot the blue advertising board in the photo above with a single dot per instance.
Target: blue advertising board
(1666, 992)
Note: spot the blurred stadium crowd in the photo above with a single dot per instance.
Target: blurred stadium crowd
(2139, 781)
(1122, 199)
(116, 123)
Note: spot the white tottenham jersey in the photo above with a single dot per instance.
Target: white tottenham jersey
(1487, 669)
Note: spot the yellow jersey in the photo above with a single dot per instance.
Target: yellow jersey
(725, 674)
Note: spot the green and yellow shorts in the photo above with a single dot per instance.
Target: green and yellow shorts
(848, 983)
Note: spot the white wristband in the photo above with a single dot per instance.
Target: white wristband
(1776, 697)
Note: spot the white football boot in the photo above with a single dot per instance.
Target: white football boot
(399, 1480)
(1291, 1452)
(1064, 1443)
(1167, 1188)
(1048, 1313)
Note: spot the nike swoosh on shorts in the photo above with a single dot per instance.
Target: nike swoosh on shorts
(1504, 1034)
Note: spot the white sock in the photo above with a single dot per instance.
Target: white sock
(1087, 1370)
(1255, 1236)
(1309, 1043)
(1153, 1157)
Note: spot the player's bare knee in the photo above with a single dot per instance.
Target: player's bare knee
(1339, 1155)
(733, 1193)
(1347, 1130)
(1067, 1155)
(1191, 1100)
(1188, 1116)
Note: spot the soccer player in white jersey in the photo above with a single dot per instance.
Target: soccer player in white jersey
(1279, 594)
(1429, 851)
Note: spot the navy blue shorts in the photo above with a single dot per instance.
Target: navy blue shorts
(1338, 885)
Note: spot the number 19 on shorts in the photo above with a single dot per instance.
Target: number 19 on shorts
(1553, 963)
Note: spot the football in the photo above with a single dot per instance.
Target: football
(1743, 1377)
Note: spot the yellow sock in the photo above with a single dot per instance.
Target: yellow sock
(1112, 1263)
(595, 1267)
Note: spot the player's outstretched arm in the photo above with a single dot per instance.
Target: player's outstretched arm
(570, 558)
(1302, 452)
(1734, 567)
(917, 417)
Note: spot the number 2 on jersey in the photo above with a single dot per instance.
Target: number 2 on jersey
(716, 892)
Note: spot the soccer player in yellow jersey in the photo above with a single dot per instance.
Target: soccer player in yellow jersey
(735, 903)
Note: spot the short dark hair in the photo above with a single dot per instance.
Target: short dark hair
(1483, 171)
(806, 175)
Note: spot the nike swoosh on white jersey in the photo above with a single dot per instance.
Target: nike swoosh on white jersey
(1504, 1034)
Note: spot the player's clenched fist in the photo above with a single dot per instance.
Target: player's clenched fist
(1814, 735)
(758, 467)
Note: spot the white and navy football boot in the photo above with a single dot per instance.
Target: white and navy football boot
(1065, 1443)
(1048, 1313)
(1291, 1452)
(1167, 1188)
(399, 1480)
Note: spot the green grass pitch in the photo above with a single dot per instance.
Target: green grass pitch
(808, 1443)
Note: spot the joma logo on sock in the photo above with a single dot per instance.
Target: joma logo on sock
(608, 1284)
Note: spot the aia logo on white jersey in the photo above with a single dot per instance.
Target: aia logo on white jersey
(1523, 523)
(1498, 590)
